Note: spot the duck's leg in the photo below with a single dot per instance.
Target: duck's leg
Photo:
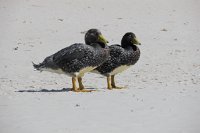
(74, 88)
(109, 86)
(113, 83)
(81, 86)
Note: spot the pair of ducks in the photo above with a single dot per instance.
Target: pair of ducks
(94, 56)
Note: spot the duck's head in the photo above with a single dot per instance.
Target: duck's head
(95, 36)
(129, 39)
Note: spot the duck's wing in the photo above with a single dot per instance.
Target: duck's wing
(75, 51)
(115, 45)
(116, 50)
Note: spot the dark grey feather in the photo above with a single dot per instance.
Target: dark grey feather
(119, 56)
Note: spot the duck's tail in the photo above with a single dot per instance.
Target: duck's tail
(47, 64)
(38, 66)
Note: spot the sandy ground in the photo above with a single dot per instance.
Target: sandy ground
(162, 92)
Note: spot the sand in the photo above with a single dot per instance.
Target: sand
(162, 93)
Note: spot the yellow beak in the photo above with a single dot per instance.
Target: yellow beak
(102, 39)
(135, 41)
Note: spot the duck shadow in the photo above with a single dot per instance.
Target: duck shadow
(52, 90)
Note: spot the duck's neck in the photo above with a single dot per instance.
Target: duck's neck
(126, 45)
(98, 45)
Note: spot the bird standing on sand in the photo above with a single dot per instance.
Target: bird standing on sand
(120, 59)
(78, 58)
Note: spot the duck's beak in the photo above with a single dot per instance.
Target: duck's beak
(102, 39)
(135, 41)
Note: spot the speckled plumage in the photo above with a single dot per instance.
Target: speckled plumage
(118, 57)
(78, 58)
(126, 54)
(72, 59)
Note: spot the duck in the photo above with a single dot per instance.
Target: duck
(78, 59)
(121, 58)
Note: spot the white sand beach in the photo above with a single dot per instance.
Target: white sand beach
(162, 93)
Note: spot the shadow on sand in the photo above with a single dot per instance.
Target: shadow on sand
(52, 90)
